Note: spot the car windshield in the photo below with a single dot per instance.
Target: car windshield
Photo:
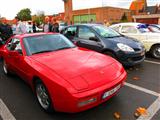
(143, 28)
(154, 28)
(46, 43)
(106, 32)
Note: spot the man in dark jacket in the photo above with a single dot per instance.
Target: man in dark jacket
(5, 30)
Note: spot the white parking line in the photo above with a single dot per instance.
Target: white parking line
(142, 89)
(151, 111)
(5, 113)
(152, 62)
(153, 108)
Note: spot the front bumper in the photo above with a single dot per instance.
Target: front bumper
(130, 59)
(69, 103)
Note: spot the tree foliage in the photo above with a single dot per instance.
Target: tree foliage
(124, 18)
(24, 14)
(39, 18)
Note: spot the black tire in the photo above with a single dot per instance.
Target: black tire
(155, 51)
(5, 67)
(43, 97)
(110, 54)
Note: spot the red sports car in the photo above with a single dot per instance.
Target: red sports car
(63, 77)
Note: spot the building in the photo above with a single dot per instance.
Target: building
(145, 14)
(150, 18)
(137, 6)
(98, 15)
(68, 11)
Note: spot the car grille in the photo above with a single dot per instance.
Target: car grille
(137, 49)
(137, 58)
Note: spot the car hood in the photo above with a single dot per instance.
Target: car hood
(81, 68)
(127, 40)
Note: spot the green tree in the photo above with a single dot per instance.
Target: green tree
(24, 14)
(124, 18)
(39, 17)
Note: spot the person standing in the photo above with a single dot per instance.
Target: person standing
(55, 26)
(34, 27)
(106, 23)
(21, 28)
(5, 30)
(47, 27)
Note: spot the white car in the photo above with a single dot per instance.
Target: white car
(141, 32)
(61, 26)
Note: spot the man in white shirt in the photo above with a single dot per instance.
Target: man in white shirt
(21, 28)
(47, 26)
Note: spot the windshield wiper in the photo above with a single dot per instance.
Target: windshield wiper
(113, 36)
(42, 51)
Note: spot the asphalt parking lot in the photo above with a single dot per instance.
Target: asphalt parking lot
(141, 90)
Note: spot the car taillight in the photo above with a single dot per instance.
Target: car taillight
(86, 102)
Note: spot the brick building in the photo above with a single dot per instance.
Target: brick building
(98, 15)
(145, 14)
(110, 14)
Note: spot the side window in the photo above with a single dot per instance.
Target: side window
(116, 28)
(14, 45)
(71, 31)
(85, 33)
(128, 29)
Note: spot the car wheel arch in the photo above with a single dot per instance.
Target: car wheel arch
(108, 50)
(152, 50)
(154, 46)
(36, 80)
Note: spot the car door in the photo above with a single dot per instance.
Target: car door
(17, 62)
(9, 60)
(87, 38)
(132, 31)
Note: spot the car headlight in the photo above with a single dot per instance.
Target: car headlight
(125, 47)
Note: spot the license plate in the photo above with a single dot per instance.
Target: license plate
(112, 91)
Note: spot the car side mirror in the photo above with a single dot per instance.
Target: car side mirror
(94, 39)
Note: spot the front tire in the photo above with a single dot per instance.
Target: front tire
(155, 51)
(43, 97)
(5, 68)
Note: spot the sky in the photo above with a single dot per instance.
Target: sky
(9, 8)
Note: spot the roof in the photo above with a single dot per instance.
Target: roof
(151, 9)
(33, 34)
(137, 5)
(146, 16)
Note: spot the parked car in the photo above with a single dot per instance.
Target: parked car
(39, 29)
(64, 77)
(30, 29)
(141, 32)
(154, 28)
(107, 41)
(62, 25)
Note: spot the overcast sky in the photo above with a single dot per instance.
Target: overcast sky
(9, 8)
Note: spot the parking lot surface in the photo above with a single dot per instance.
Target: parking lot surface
(141, 90)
